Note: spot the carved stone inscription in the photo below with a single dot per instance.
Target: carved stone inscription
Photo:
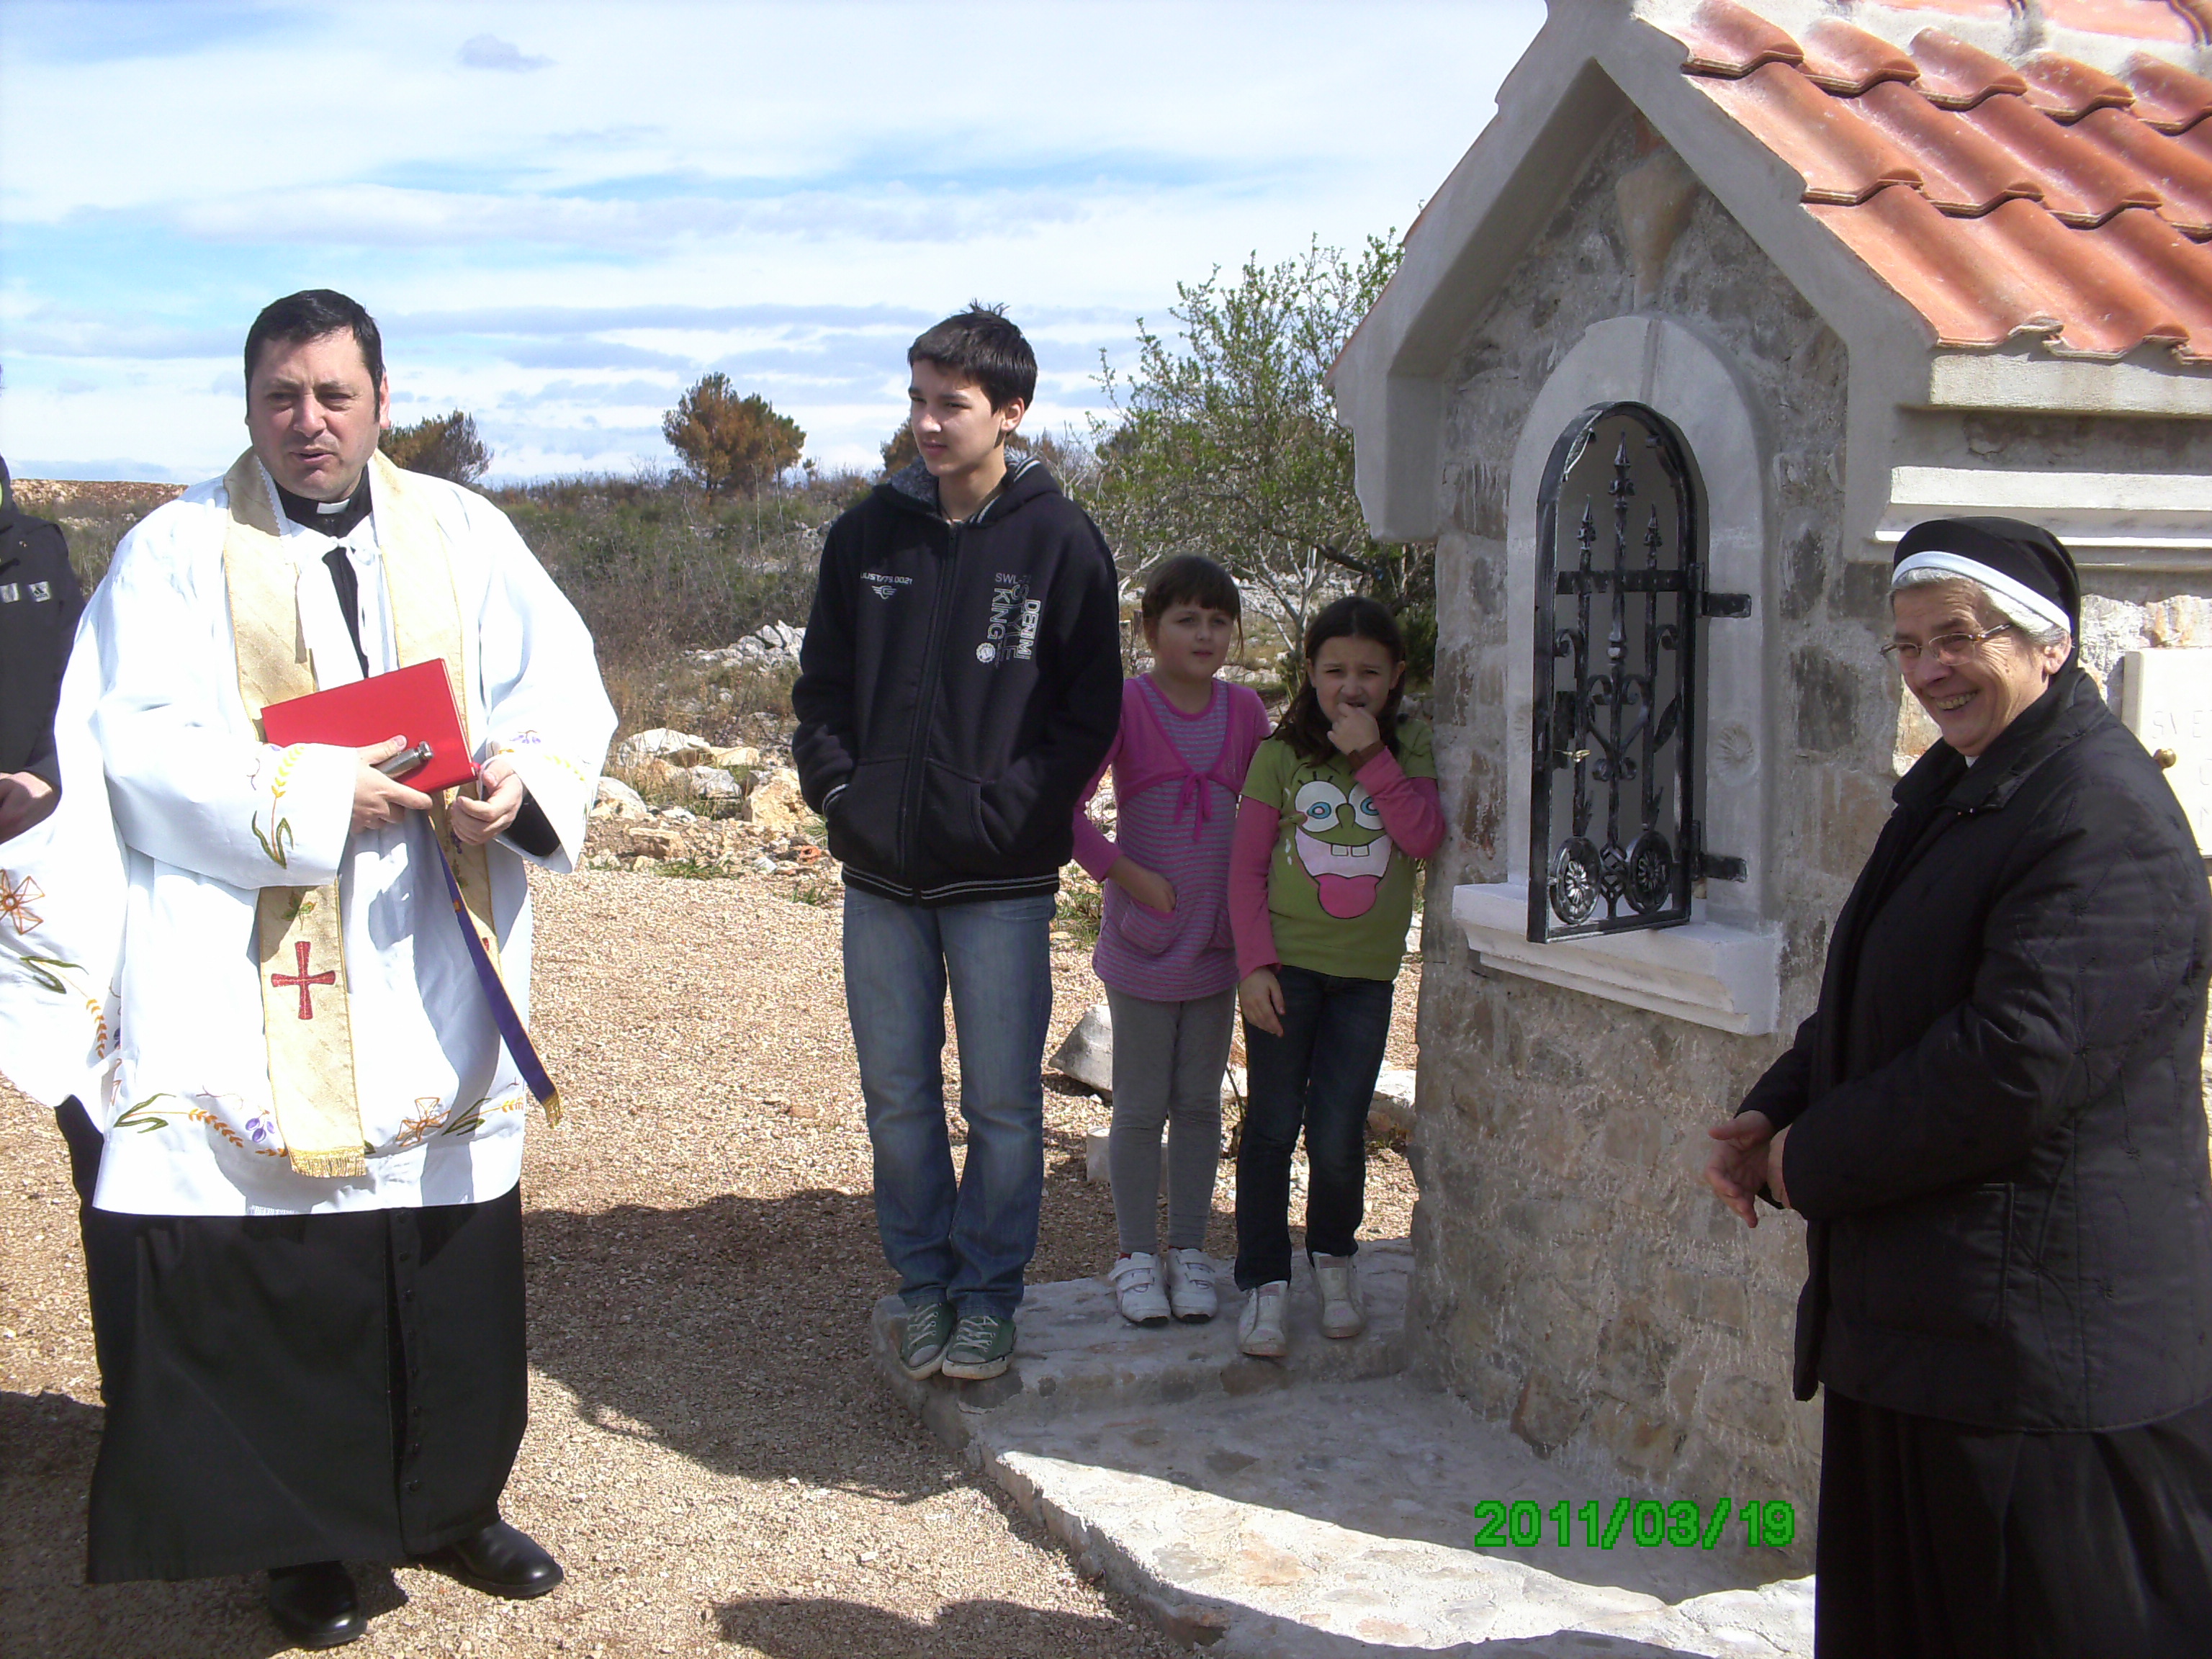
(2166, 698)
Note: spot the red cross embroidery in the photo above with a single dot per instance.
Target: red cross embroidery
(303, 979)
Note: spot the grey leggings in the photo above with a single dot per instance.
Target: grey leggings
(1168, 1061)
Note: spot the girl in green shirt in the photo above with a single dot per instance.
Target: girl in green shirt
(1339, 806)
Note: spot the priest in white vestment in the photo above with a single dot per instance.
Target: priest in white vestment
(304, 1244)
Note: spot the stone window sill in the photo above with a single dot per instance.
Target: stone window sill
(1706, 972)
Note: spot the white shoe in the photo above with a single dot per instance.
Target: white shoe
(1259, 1330)
(1189, 1274)
(1338, 1281)
(1136, 1290)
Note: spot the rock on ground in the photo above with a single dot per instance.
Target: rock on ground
(678, 749)
(709, 1451)
(1087, 1053)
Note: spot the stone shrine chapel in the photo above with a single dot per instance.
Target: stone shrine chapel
(1723, 298)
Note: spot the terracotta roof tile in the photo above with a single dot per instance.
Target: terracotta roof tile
(2199, 14)
(2083, 183)
(1846, 61)
(2130, 19)
(2113, 288)
(1725, 39)
(1962, 169)
(1980, 282)
(1843, 159)
(2170, 98)
(2182, 176)
(1994, 9)
(1955, 76)
(2178, 270)
(2066, 90)
(2046, 201)
(1929, 258)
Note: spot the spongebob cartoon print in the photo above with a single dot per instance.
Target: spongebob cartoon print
(1341, 844)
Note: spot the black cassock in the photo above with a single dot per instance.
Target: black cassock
(283, 1390)
(1942, 1541)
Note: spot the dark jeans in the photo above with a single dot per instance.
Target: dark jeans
(1319, 1075)
(965, 1239)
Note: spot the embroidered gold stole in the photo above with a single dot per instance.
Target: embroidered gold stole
(299, 938)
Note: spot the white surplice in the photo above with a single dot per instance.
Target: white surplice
(150, 703)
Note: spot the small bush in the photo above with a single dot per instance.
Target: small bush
(729, 442)
(442, 446)
(657, 566)
(1081, 909)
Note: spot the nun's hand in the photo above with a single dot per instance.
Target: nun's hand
(1740, 1163)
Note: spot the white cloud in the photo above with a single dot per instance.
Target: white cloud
(787, 193)
(489, 51)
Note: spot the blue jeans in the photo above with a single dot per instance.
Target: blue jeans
(966, 1241)
(1320, 1074)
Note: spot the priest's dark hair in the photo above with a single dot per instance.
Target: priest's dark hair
(1304, 726)
(310, 314)
(979, 345)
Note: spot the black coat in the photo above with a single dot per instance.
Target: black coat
(959, 686)
(1997, 1116)
(39, 601)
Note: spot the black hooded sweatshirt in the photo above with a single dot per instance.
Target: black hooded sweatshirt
(40, 600)
(959, 686)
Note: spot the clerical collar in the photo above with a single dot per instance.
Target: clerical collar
(329, 518)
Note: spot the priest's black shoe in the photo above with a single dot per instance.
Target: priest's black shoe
(315, 1605)
(502, 1560)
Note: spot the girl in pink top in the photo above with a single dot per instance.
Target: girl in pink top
(1165, 951)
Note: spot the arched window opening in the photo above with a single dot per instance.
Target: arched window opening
(1615, 839)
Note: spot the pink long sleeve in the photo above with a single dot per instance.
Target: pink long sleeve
(1257, 824)
(1411, 816)
(1094, 851)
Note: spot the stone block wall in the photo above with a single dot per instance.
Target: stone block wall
(1574, 1276)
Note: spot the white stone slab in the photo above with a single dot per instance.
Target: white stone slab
(1706, 972)
(2108, 521)
(2166, 698)
(1323, 1507)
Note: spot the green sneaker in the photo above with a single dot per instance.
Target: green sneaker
(980, 1347)
(921, 1347)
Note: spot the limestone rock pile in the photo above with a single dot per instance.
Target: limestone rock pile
(776, 646)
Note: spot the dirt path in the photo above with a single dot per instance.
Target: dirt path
(708, 1454)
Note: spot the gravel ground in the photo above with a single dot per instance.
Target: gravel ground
(709, 1453)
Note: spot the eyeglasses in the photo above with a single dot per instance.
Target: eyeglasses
(1950, 649)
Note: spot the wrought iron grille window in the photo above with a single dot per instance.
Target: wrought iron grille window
(1615, 842)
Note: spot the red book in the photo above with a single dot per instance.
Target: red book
(415, 702)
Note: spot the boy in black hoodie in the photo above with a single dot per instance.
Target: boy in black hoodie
(960, 681)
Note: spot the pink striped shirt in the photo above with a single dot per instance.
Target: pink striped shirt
(1176, 777)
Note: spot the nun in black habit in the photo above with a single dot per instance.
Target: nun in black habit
(1994, 1125)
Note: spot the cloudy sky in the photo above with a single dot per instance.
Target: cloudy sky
(562, 215)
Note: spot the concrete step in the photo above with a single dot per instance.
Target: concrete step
(1324, 1505)
(1074, 1352)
